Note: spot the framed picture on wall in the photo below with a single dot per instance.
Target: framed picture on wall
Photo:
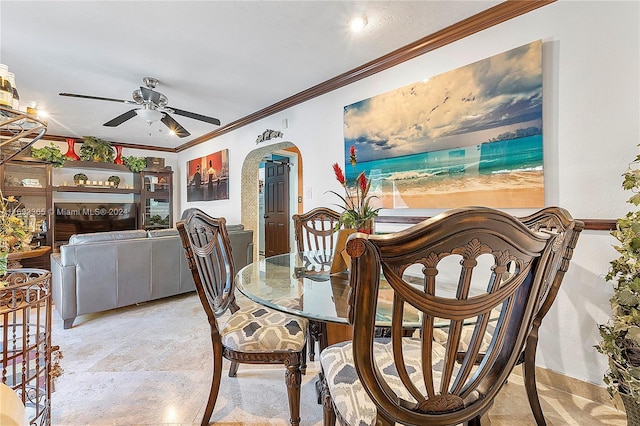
(208, 177)
(470, 136)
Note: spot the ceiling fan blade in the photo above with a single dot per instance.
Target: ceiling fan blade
(172, 124)
(150, 95)
(99, 98)
(121, 118)
(196, 116)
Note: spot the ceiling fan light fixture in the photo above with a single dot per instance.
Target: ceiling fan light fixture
(149, 115)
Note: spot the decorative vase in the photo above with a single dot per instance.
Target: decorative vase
(71, 154)
(118, 159)
(632, 409)
(366, 227)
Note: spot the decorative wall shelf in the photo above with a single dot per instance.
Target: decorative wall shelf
(96, 165)
(95, 190)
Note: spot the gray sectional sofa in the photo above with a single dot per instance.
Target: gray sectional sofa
(106, 270)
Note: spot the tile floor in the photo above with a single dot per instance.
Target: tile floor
(149, 365)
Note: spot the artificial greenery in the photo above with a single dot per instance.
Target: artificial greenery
(621, 335)
(135, 164)
(50, 153)
(80, 176)
(94, 149)
(115, 180)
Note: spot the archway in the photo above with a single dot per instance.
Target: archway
(249, 215)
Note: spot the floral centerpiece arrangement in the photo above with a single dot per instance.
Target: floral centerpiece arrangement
(357, 212)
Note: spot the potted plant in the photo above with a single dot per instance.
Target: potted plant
(115, 180)
(357, 213)
(135, 164)
(94, 149)
(50, 153)
(80, 178)
(621, 335)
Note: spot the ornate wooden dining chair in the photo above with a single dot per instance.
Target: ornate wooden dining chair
(252, 334)
(556, 221)
(456, 268)
(315, 232)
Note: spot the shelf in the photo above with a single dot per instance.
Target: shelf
(95, 165)
(95, 190)
(24, 190)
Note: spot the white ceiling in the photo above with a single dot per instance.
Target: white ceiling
(225, 59)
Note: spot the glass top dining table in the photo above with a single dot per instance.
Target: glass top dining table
(301, 284)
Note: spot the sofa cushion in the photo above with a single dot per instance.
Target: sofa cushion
(169, 232)
(235, 228)
(106, 236)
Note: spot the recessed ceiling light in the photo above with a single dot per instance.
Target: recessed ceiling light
(358, 23)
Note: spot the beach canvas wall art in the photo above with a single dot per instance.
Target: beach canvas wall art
(208, 177)
(470, 136)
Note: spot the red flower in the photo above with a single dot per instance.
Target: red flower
(357, 211)
(362, 181)
(339, 174)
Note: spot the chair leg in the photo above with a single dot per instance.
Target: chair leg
(383, 420)
(479, 421)
(303, 364)
(233, 369)
(215, 384)
(323, 341)
(529, 372)
(315, 331)
(293, 379)
(328, 415)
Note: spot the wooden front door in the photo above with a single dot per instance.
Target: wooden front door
(276, 208)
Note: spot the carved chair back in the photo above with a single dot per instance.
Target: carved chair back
(208, 250)
(555, 221)
(498, 264)
(315, 235)
(315, 229)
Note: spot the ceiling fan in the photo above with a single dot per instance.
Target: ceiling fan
(154, 108)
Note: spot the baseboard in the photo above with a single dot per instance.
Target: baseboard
(574, 386)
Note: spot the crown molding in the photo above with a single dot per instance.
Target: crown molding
(481, 21)
(57, 138)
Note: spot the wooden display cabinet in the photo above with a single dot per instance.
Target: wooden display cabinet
(29, 181)
(156, 199)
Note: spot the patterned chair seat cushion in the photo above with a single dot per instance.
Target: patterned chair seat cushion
(349, 397)
(255, 328)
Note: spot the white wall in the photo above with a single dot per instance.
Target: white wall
(591, 53)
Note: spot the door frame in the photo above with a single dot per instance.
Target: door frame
(250, 214)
